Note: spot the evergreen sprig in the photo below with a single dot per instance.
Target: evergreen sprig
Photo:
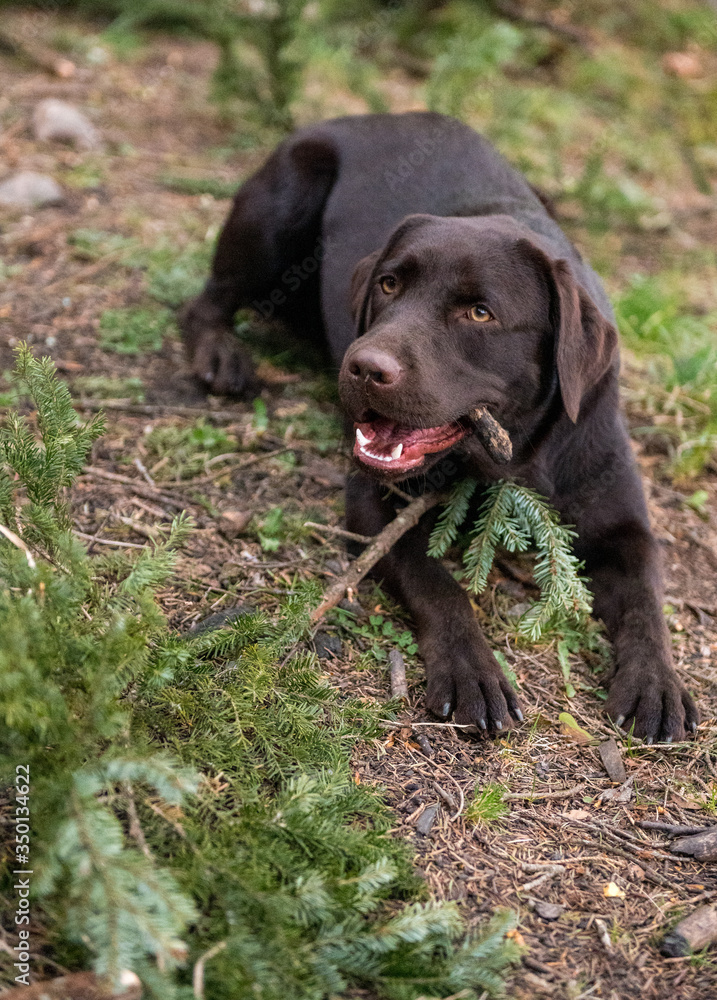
(194, 790)
(517, 518)
(42, 470)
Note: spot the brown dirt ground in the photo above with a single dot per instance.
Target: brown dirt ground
(158, 104)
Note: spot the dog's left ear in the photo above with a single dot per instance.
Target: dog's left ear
(585, 341)
(360, 286)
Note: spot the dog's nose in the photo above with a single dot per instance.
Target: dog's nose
(371, 364)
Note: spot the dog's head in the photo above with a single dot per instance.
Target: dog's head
(457, 312)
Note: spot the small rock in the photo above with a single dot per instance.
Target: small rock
(702, 846)
(353, 607)
(233, 522)
(334, 566)
(58, 120)
(426, 819)
(692, 934)
(612, 761)
(30, 190)
(221, 618)
(327, 646)
(548, 911)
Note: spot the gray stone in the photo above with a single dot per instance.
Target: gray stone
(548, 911)
(426, 820)
(30, 190)
(327, 646)
(57, 120)
(221, 618)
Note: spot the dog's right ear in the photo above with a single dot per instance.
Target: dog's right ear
(361, 282)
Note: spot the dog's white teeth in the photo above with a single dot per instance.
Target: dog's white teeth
(397, 451)
(361, 438)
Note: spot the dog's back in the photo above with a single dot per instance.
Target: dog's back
(386, 167)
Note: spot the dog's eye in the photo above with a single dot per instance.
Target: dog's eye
(388, 284)
(479, 314)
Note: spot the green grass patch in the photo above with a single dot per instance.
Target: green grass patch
(487, 806)
(200, 185)
(678, 350)
(102, 387)
(187, 448)
(134, 331)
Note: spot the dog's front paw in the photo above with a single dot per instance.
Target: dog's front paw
(216, 356)
(467, 682)
(657, 704)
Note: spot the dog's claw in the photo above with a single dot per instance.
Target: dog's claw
(447, 709)
(693, 727)
(519, 715)
(649, 741)
(619, 721)
(498, 724)
(482, 723)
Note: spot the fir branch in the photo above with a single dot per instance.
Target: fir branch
(451, 518)
(515, 517)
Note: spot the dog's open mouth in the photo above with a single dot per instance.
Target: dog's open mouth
(386, 445)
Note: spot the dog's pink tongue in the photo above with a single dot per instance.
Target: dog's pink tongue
(386, 444)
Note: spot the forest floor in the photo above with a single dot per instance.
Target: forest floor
(93, 282)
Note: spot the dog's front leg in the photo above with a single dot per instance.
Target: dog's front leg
(623, 563)
(463, 677)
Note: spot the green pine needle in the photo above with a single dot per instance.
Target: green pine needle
(515, 518)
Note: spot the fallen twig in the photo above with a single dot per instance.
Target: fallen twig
(32, 53)
(399, 684)
(603, 934)
(140, 488)
(445, 795)
(341, 532)
(159, 410)
(670, 829)
(107, 541)
(381, 544)
(566, 793)
(546, 874)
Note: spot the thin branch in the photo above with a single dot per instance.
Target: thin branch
(399, 684)
(381, 544)
(341, 532)
(198, 974)
(107, 541)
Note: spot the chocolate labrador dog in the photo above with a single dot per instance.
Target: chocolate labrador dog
(441, 283)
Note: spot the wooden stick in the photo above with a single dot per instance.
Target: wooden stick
(670, 829)
(341, 532)
(138, 487)
(399, 684)
(494, 438)
(381, 544)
